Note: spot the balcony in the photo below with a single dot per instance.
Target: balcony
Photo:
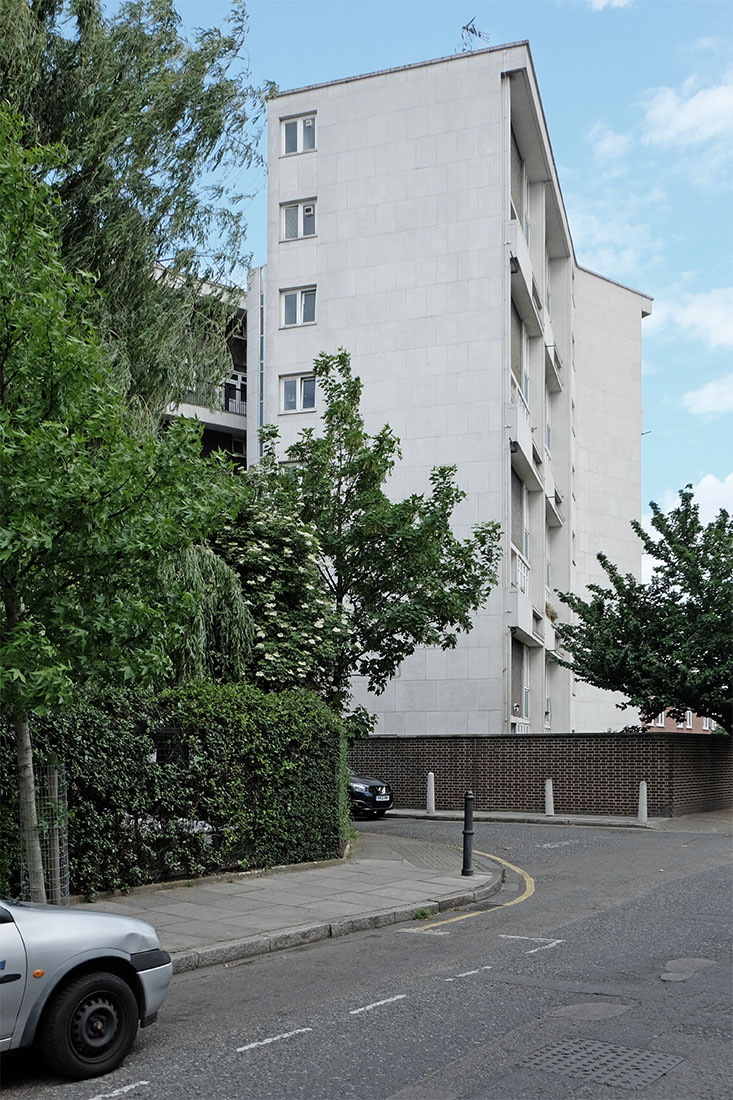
(553, 501)
(525, 294)
(553, 364)
(523, 620)
(522, 442)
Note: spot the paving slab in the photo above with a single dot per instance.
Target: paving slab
(383, 881)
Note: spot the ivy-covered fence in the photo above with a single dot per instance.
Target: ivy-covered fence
(204, 778)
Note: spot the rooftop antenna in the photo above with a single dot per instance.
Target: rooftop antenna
(470, 28)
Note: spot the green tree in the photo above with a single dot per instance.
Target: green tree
(668, 644)
(90, 506)
(145, 116)
(394, 571)
(275, 556)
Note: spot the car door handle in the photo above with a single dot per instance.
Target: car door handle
(10, 978)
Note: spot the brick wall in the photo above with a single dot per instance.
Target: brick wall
(591, 773)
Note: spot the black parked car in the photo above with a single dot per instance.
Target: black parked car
(369, 797)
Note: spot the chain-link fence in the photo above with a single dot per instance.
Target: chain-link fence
(52, 810)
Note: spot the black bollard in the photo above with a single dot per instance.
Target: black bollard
(468, 834)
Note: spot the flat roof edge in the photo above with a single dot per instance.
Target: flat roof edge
(402, 68)
(606, 279)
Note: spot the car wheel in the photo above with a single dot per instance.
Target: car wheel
(89, 1026)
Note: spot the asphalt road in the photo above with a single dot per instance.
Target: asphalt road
(602, 971)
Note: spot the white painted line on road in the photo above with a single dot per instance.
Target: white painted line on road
(546, 944)
(468, 973)
(429, 931)
(118, 1092)
(378, 1004)
(274, 1039)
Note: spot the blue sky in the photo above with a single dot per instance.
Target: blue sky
(638, 96)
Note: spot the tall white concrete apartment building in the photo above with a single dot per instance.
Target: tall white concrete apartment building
(416, 219)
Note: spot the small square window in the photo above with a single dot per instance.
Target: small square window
(298, 220)
(299, 135)
(298, 394)
(298, 307)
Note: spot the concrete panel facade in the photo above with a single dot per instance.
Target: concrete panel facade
(442, 261)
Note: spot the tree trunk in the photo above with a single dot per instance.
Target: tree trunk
(30, 841)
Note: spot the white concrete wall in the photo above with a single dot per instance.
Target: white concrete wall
(411, 262)
(608, 426)
(409, 266)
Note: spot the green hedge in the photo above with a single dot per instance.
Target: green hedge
(203, 778)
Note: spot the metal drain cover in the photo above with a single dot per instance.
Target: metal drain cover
(604, 1063)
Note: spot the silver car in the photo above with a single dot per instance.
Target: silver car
(77, 984)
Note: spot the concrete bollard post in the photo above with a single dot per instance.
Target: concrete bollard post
(430, 807)
(549, 799)
(642, 816)
(468, 834)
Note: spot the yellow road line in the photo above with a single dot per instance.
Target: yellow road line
(529, 887)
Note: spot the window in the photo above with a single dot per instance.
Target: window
(706, 723)
(548, 285)
(519, 188)
(688, 719)
(660, 719)
(298, 394)
(298, 220)
(519, 680)
(298, 306)
(519, 341)
(299, 134)
(235, 393)
(548, 421)
(519, 514)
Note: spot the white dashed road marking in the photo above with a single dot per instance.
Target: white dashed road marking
(468, 973)
(546, 944)
(378, 1004)
(274, 1039)
(119, 1092)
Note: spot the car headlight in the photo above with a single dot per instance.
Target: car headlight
(360, 787)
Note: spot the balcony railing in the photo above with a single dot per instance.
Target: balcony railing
(517, 398)
(233, 406)
(520, 572)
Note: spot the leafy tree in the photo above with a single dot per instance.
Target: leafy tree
(275, 556)
(90, 506)
(666, 645)
(145, 116)
(215, 630)
(393, 570)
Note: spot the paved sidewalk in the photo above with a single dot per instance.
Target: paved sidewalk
(384, 881)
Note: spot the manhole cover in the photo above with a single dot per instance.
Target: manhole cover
(604, 1063)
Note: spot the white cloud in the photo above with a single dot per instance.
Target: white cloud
(608, 147)
(684, 118)
(712, 399)
(611, 236)
(710, 494)
(599, 5)
(706, 316)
